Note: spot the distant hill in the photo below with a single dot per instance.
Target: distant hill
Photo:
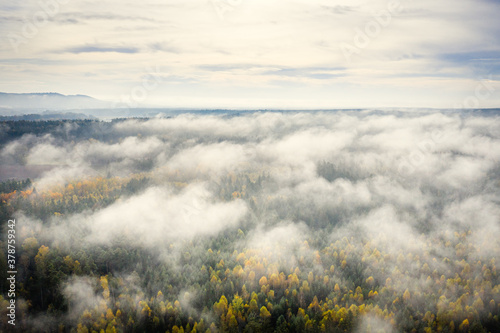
(49, 101)
(47, 115)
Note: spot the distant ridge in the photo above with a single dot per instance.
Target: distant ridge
(49, 101)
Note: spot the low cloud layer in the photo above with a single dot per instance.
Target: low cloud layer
(407, 184)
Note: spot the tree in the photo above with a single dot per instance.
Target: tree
(406, 295)
(264, 313)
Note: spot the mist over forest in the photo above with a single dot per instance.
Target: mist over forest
(338, 221)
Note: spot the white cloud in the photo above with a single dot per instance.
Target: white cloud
(451, 185)
(81, 295)
(157, 216)
(86, 47)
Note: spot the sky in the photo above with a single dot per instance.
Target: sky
(256, 54)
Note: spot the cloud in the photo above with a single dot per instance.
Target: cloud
(157, 215)
(314, 73)
(340, 9)
(402, 183)
(45, 153)
(159, 219)
(479, 213)
(387, 230)
(370, 323)
(85, 17)
(377, 158)
(81, 295)
(164, 47)
(263, 35)
(101, 49)
(282, 243)
(219, 158)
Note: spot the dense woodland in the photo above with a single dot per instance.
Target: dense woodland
(81, 129)
(290, 264)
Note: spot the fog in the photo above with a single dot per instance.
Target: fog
(397, 181)
(392, 173)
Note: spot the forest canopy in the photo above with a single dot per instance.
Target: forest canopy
(346, 221)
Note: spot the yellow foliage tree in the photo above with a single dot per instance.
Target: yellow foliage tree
(264, 313)
(263, 281)
(406, 295)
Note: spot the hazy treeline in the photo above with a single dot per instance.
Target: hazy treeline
(263, 222)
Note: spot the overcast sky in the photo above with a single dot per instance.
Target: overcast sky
(256, 54)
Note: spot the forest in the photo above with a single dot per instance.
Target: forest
(345, 221)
